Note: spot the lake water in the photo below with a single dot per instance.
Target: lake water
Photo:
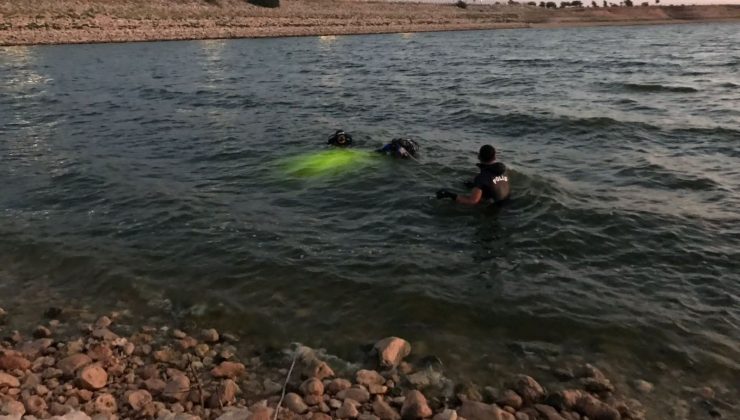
(165, 177)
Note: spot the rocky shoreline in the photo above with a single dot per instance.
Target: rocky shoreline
(68, 368)
(94, 21)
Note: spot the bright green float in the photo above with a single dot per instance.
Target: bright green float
(327, 162)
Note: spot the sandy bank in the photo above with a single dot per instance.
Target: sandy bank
(87, 21)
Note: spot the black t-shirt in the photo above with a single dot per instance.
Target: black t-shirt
(493, 180)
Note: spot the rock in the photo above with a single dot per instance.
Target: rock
(104, 334)
(34, 405)
(594, 409)
(337, 385)
(261, 413)
(473, 410)
(424, 378)
(365, 416)
(72, 415)
(563, 375)
(565, 399)
(9, 380)
(385, 411)
(177, 388)
(155, 385)
(318, 370)
(69, 365)
(320, 416)
(589, 371)
(312, 386)
(357, 393)
(530, 391)
(415, 406)
(103, 322)
(233, 413)
(391, 351)
(12, 408)
(446, 414)
(10, 362)
(3, 315)
(548, 412)
(348, 410)
(706, 392)
(510, 398)
(209, 335)
(369, 377)
(228, 370)
(93, 377)
(139, 399)
(597, 385)
(294, 403)
(271, 387)
(225, 395)
(467, 391)
(643, 386)
(106, 404)
(334, 404)
(41, 332)
(100, 352)
(31, 349)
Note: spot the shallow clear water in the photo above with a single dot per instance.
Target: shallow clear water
(170, 172)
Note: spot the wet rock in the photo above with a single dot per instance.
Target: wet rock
(34, 404)
(106, 404)
(93, 377)
(348, 410)
(383, 410)
(594, 409)
(643, 386)
(209, 335)
(547, 412)
(69, 365)
(563, 374)
(589, 371)
(706, 392)
(9, 380)
(10, 362)
(356, 392)
(295, 404)
(312, 386)
(446, 414)
(228, 370)
(271, 387)
(337, 385)
(369, 377)
(415, 406)
(176, 389)
(41, 332)
(473, 410)
(597, 385)
(391, 351)
(530, 391)
(12, 408)
(467, 391)
(225, 395)
(511, 399)
(424, 378)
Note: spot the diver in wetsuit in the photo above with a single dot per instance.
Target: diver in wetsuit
(491, 184)
(340, 139)
(403, 148)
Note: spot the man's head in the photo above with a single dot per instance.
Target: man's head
(487, 154)
(340, 139)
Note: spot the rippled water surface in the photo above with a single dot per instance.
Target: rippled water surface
(170, 174)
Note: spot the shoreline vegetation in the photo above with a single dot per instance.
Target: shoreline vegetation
(78, 366)
(32, 22)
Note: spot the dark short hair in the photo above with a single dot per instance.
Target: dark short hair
(486, 153)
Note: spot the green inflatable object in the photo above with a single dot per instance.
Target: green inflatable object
(327, 162)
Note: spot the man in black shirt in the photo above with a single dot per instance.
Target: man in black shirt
(491, 184)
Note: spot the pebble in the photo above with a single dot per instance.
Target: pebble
(176, 388)
(643, 386)
(312, 386)
(295, 404)
(41, 332)
(209, 335)
(106, 404)
(93, 377)
(348, 410)
(139, 399)
(228, 370)
(383, 410)
(415, 406)
(8, 380)
(529, 389)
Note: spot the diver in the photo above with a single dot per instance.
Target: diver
(491, 184)
(403, 148)
(340, 139)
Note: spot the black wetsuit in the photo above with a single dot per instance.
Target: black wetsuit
(493, 180)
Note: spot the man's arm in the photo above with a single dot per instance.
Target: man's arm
(474, 198)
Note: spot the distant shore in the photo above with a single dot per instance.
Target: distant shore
(97, 21)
